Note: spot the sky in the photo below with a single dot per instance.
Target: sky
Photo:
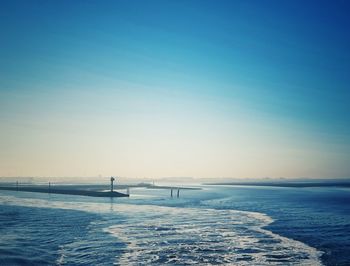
(241, 89)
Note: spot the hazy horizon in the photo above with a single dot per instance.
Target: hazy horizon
(175, 88)
(163, 180)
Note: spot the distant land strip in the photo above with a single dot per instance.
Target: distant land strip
(284, 184)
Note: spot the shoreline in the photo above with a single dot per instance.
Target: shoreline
(280, 184)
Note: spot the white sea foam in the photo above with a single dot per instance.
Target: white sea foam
(172, 235)
(206, 236)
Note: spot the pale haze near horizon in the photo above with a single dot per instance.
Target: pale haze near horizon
(111, 92)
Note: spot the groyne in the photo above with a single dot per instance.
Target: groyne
(52, 190)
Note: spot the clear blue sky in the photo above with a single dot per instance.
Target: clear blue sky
(175, 88)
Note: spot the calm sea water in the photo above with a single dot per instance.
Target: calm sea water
(216, 225)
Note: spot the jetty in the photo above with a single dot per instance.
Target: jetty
(78, 192)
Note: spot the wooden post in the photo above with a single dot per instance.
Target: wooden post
(178, 192)
(171, 193)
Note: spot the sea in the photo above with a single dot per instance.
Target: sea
(217, 225)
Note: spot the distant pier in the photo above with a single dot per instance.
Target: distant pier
(51, 190)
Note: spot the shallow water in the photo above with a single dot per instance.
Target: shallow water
(234, 226)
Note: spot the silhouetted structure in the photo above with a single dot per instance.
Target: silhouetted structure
(112, 180)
